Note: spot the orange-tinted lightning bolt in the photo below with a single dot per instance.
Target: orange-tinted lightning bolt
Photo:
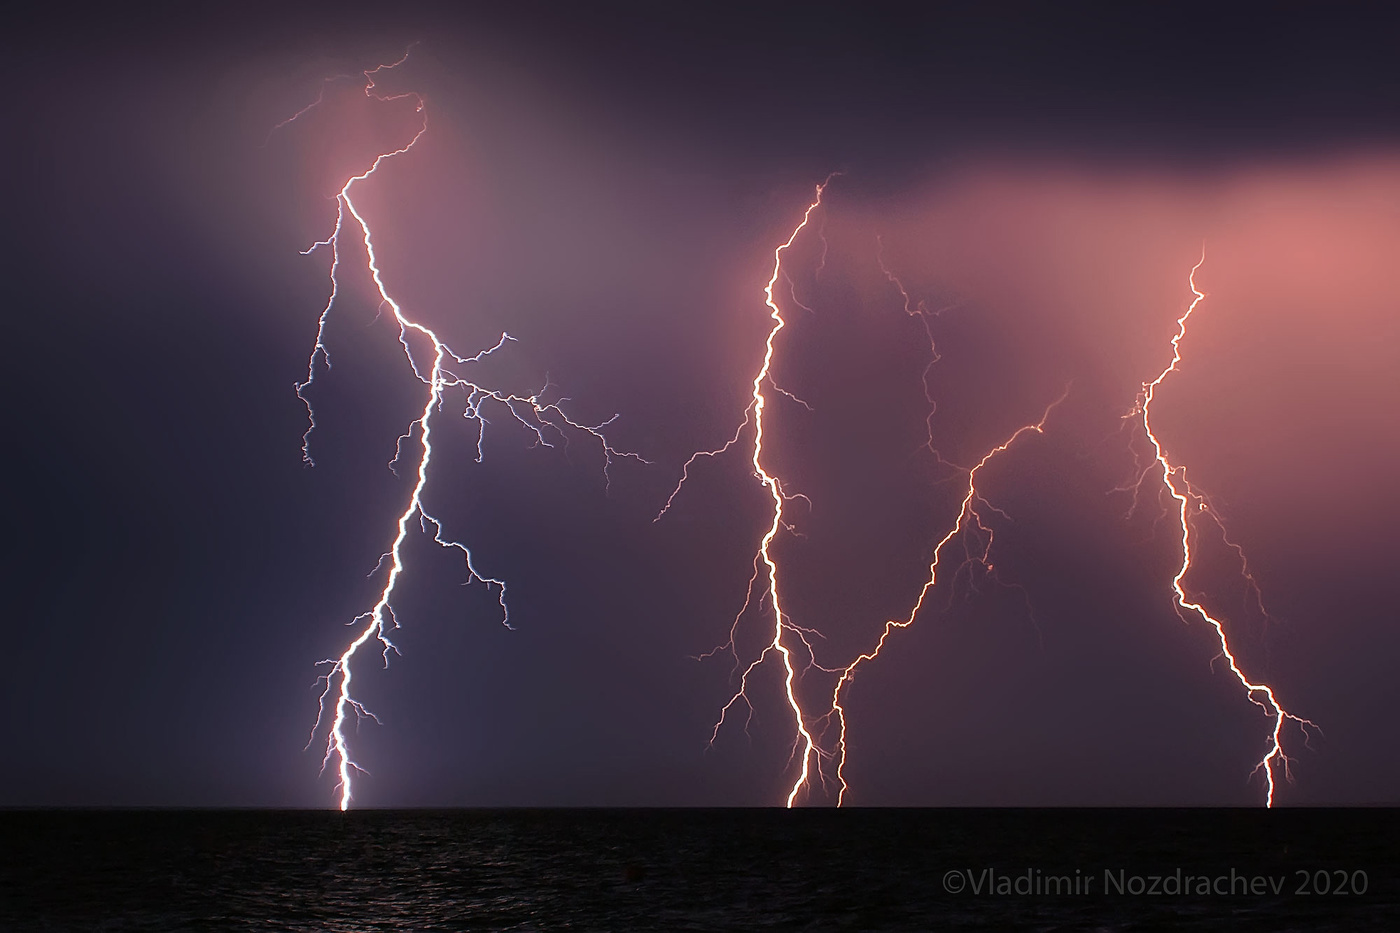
(804, 745)
(441, 369)
(969, 522)
(1191, 505)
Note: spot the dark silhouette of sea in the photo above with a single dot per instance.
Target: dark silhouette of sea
(623, 870)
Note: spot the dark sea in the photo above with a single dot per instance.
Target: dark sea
(459, 870)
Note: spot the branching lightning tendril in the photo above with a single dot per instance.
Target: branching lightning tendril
(1191, 506)
(804, 744)
(808, 749)
(440, 369)
(444, 373)
(969, 520)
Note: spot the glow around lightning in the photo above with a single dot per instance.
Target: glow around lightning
(811, 757)
(805, 747)
(440, 369)
(1192, 506)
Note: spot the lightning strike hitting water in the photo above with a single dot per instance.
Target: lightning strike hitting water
(807, 747)
(443, 370)
(804, 744)
(1192, 505)
(970, 523)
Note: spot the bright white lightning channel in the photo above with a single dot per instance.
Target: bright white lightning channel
(440, 370)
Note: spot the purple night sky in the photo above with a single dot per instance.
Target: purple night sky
(609, 186)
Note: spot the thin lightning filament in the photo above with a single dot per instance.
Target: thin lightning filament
(969, 518)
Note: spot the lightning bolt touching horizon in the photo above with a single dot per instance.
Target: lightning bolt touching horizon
(440, 369)
(1191, 505)
(807, 744)
(969, 518)
(763, 559)
(816, 754)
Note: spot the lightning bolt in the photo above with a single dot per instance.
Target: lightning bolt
(1191, 506)
(971, 524)
(804, 745)
(808, 750)
(440, 369)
